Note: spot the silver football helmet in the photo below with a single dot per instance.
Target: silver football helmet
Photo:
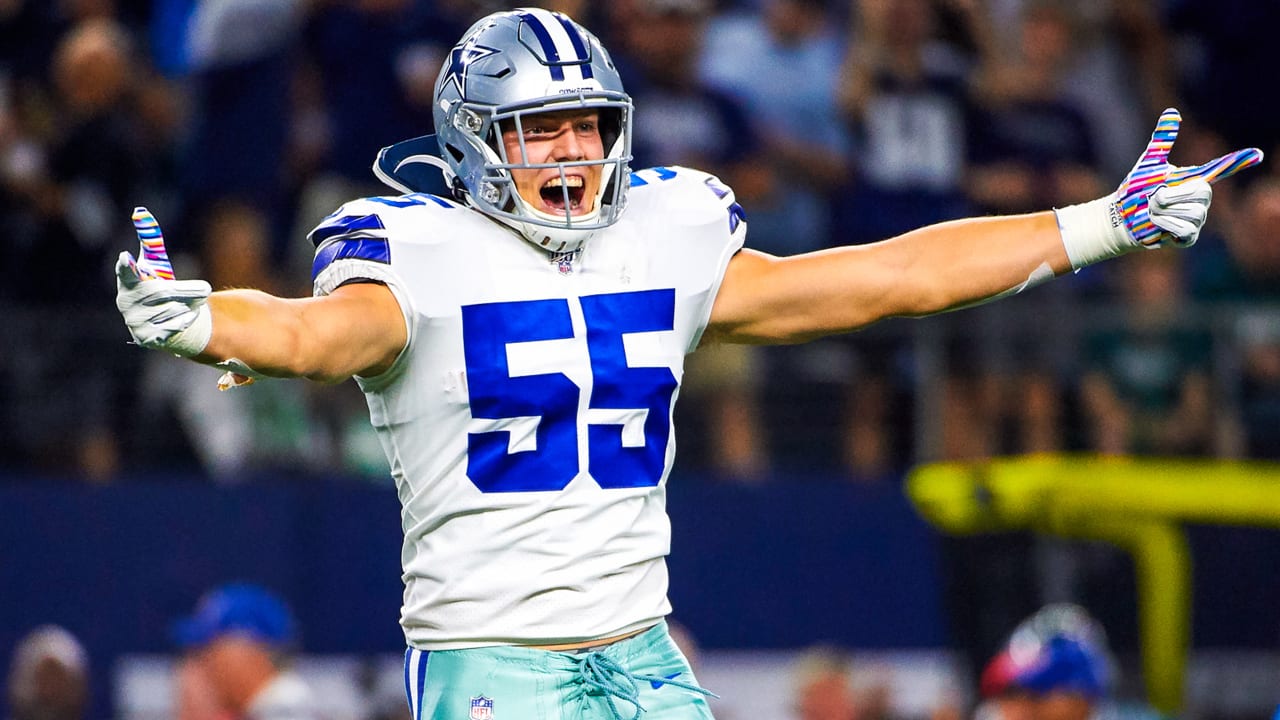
(508, 66)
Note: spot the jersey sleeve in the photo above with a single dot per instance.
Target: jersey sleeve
(354, 244)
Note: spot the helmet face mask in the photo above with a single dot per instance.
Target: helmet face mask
(509, 67)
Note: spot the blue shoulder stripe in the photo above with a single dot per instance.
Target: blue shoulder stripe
(374, 249)
(342, 225)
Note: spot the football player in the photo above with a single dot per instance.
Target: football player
(520, 337)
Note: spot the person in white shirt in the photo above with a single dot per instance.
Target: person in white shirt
(48, 676)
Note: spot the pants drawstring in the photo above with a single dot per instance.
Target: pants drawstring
(608, 677)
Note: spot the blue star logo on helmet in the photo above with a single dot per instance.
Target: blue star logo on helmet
(461, 58)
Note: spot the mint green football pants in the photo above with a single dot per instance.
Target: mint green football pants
(643, 677)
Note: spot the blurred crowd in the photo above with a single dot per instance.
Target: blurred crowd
(236, 659)
(241, 123)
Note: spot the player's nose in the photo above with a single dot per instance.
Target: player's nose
(568, 146)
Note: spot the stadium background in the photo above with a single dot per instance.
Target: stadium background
(128, 487)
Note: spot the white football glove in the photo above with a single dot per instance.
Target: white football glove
(160, 312)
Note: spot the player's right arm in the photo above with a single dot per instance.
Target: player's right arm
(358, 329)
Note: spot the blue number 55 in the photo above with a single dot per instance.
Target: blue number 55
(552, 399)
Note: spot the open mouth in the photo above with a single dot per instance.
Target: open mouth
(555, 191)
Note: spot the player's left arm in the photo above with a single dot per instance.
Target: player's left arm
(765, 299)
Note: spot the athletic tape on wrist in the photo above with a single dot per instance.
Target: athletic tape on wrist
(195, 337)
(1093, 231)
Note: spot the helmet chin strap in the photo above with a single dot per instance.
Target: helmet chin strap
(556, 238)
(560, 219)
(552, 238)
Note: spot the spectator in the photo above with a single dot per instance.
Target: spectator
(1251, 272)
(1259, 384)
(1032, 144)
(1252, 275)
(195, 695)
(824, 686)
(684, 122)
(68, 191)
(392, 52)
(1146, 389)
(239, 638)
(781, 63)
(239, 60)
(1227, 40)
(1055, 666)
(95, 164)
(1119, 72)
(49, 677)
(904, 97)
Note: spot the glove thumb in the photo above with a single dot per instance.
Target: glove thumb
(1181, 210)
(127, 275)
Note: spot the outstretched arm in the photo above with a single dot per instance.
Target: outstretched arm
(358, 329)
(765, 299)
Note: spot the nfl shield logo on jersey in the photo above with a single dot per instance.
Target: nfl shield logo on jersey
(481, 708)
(564, 261)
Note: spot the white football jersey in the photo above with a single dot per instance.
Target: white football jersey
(528, 420)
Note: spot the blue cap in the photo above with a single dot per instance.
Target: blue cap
(236, 609)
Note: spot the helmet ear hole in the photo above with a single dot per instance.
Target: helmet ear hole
(458, 189)
(610, 127)
(453, 150)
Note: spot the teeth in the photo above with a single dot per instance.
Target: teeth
(573, 181)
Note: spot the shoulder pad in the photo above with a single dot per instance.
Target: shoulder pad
(689, 191)
(361, 231)
(369, 217)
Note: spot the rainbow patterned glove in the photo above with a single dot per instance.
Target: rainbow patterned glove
(1156, 203)
(160, 312)
(1153, 174)
(153, 262)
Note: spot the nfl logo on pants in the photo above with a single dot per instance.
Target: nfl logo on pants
(481, 708)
